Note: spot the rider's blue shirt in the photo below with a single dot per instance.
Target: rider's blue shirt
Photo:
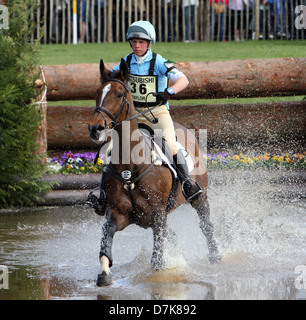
(161, 69)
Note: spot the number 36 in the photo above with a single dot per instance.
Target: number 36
(142, 88)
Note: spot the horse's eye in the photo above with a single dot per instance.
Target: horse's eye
(119, 95)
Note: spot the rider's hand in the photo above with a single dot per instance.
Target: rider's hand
(161, 97)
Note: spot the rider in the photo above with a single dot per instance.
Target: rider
(151, 72)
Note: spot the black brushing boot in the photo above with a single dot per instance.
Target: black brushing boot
(191, 189)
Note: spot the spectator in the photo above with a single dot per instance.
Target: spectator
(171, 21)
(239, 14)
(218, 10)
(190, 18)
(277, 18)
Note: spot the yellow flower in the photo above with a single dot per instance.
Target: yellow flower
(100, 162)
(82, 168)
(250, 160)
(69, 167)
(287, 159)
(236, 157)
(280, 159)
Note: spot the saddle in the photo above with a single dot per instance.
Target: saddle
(160, 155)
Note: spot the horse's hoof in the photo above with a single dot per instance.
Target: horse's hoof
(104, 279)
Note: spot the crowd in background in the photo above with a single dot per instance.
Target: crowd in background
(174, 20)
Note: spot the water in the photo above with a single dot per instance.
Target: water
(260, 227)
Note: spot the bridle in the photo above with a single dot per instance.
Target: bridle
(125, 105)
(124, 108)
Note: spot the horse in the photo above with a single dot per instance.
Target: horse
(138, 190)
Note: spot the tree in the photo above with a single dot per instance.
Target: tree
(21, 167)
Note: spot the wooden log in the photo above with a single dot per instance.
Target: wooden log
(214, 79)
(258, 123)
(68, 127)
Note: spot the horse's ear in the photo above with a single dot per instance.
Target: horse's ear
(124, 70)
(104, 73)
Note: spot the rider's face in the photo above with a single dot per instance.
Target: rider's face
(139, 46)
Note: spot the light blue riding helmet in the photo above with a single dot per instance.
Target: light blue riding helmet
(141, 30)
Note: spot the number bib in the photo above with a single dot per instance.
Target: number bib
(141, 86)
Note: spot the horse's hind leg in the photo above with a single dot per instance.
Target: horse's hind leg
(105, 277)
(202, 208)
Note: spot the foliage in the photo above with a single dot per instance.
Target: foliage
(21, 168)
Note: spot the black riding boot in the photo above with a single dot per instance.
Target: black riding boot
(191, 188)
(99, 204)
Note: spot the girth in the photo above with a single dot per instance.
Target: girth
(125, 176)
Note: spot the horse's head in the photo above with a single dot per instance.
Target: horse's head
(113, 99)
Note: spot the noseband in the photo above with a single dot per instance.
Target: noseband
(123, 108)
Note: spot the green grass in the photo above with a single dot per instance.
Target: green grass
(175, 51)
(92, 103)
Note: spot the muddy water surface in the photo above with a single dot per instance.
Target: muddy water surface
(52, 253)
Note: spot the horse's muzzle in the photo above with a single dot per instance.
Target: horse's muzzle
(95, 132)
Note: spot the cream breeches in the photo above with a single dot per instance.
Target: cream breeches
(164, 128)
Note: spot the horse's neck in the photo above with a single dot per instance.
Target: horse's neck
(128, 147)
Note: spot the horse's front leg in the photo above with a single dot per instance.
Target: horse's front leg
(105, 276)
(202, 207)
(160, 234)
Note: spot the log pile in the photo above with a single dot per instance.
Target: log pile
(225, 123)
(214, 79)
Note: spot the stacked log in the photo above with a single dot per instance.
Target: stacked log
(214, 79)
(225, 123)
(67, 126)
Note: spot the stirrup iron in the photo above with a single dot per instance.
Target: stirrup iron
(195, 194)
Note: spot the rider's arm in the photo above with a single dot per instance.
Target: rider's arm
(180, 81)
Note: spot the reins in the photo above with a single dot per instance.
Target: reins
(125, 103)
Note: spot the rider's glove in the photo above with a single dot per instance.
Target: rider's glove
(163, 97)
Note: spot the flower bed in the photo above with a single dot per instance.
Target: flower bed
(79, 163)
(75, 163)
(286, 161)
